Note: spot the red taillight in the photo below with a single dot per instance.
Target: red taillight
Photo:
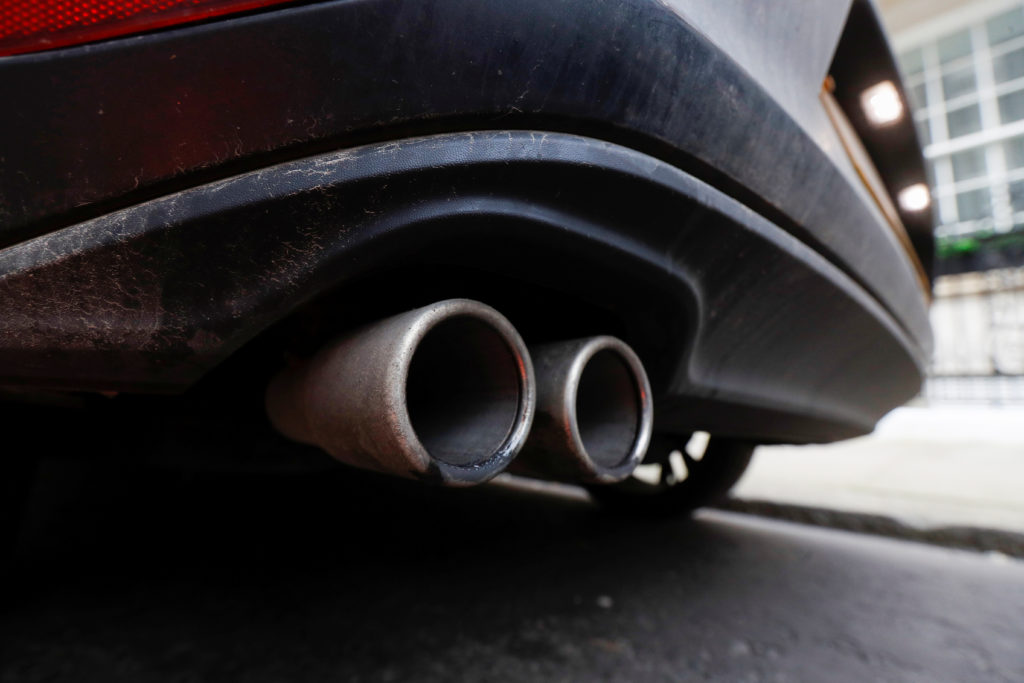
(33, 25)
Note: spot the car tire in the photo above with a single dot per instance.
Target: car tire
(686, 480)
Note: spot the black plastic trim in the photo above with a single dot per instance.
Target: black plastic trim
(725, 308)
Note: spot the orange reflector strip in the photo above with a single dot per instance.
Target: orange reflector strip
(33, 25)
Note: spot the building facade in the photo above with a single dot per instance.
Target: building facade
(963, 68)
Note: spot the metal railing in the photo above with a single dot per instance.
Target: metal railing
(978, 321)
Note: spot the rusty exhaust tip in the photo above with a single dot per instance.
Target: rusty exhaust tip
(445, 392)
(594, 412)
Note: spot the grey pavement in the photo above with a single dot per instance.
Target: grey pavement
(150, 577)
(926, 467)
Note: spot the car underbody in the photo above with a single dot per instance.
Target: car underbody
(184, 213)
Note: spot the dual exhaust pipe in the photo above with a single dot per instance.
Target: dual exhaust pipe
(450, 393)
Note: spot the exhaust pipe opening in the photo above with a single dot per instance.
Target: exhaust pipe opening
(608, 409)
(594, 412)
(445, 392)
(463, 392)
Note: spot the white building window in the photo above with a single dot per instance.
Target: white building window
(966, 88)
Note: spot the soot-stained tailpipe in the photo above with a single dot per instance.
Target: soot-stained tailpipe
(445, 393)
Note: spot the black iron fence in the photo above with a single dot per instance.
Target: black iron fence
(978, 321)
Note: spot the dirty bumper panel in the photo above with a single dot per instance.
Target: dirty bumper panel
(100, 127)
(724, 307)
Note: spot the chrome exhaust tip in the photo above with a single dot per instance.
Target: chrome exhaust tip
(594, 412)
(445, 392)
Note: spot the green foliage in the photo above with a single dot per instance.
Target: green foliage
(949, 247)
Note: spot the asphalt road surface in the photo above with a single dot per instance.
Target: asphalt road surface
(143, 577)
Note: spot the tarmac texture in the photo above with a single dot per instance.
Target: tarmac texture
(147, 576)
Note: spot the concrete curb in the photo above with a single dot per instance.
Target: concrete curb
(994, 541)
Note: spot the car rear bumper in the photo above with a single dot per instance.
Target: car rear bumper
(724, 307)
(169, 196)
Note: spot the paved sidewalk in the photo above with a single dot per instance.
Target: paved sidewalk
(926, 467)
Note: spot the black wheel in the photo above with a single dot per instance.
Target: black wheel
(678, 475)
